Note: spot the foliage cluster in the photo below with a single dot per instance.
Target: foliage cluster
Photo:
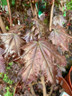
(41, 49)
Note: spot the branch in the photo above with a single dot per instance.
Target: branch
(32, 90)
(51, 16)
(44, 87)
(51, 90)
(34, 10)
(2, 25)
(9, 12)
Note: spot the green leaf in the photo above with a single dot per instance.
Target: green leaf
(10, 81)
(4, 2)
(8, 93)
(64, 14)
(8, 68)
(1, 75)
(13, 2)
(69, 5)
(7, 28)
(5, 78)
(11, 63)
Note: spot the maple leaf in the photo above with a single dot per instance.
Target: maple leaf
(42, 28)
(29, 36)
(16, 28)
(40, 56)
(59, 20)
(60, 38)
(2, 65)
(12, 43)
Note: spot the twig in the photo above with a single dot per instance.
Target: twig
(51, 90)
(31, 7)
(34, 10)
(2, 25)
(15, 88)
(51, 16)
(32, 90)
(44, 87)
(9, 12)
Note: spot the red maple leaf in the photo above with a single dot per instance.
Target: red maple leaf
(60, 38)
(41, 56)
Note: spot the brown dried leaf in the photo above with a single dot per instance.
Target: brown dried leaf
(41, 56)
(12, 43)
(60, 38)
